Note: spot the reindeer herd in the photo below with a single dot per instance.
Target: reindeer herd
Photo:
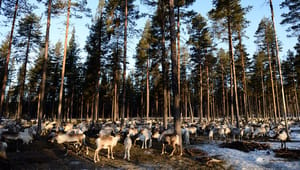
(108, 134)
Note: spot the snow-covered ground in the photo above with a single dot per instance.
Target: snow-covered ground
(236, 159)
(260, 159)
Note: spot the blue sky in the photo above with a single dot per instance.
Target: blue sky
(260, 9)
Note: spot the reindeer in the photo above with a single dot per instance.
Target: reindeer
(144, 137)
(127, 145)
(172, 140)
(62, 138)
(106, 142)
(282, 136)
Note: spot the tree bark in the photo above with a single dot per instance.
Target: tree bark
(64, 63)
(234, 74)
(164, 66)
(244, 77)
(43, 84)
(124, 63)
(271, 77)
(5, 77)
(223, 92)
(200, 95)
(147, 91)
(178, 49)
(263, 93)
(231, 94)
(279, 68)
(208, 93)
(176, 97)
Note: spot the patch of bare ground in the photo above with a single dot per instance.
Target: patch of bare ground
(246, 146)
(44, 155)
(289, 154)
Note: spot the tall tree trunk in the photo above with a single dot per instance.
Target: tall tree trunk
(5, 77)
(72, 103)
(231, 94)
(244, 77)
(271, 77)
(213, 104)
(208, 94)
(201, 96)
(279, 68)
(296, 97)
(99, 72)
(164, 66)
(64, 63)
(277, 93)
(191, 109)
(124, 63)
(147, 91)
(227, 104)
(20, 105)
(176, 97)
(115, 101)
(43, 84)
(234, 74)
(178, 53)
(263, 93)
(223, 92)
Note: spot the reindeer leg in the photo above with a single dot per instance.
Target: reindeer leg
(128, 155)
(108, 152)
(125, 153)
(112, 153)
(174, 148)
(180, 150)
(163, 149)
(96, 155)
(150, 144)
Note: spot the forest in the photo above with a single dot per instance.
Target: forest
(170, 79)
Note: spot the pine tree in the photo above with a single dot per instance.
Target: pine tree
(71, 75)
(201, 55)
(292, 17)
(76, 6)
(265, 38)
(28, 36)
(227, 13)
(142, 61)
(11, 7)
(175, 85)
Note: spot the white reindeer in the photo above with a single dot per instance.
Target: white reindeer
(186, 135)
(26, 136)
(62, 138)
(127, 145)
(106, 142)
(144, 137)
(260, 131)
(282, 136)
(106, 131)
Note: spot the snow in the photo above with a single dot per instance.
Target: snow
(263, 159)
(259, 159)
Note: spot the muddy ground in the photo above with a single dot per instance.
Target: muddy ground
(42, 154)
